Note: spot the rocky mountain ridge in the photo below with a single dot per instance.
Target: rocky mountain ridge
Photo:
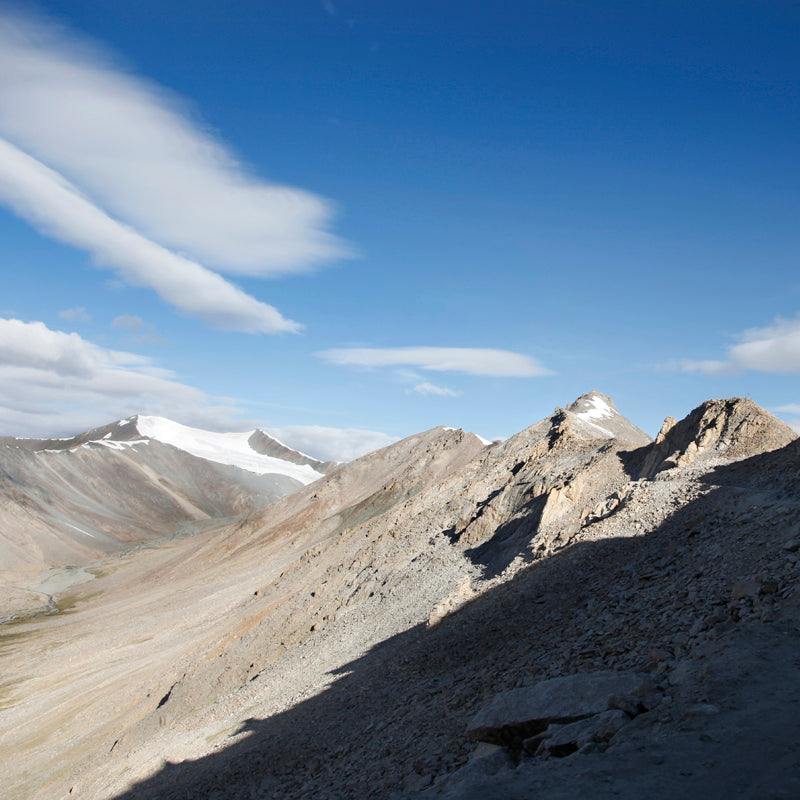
(390, 602)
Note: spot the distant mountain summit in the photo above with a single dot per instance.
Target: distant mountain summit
(254, 451)
(595, 415)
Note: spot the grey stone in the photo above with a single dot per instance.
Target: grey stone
(567, 739)
(518, 714)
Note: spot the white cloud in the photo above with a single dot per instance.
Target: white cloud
(709, 367)
(473, 361)
(138, 154)
(426, 388)
(56, 383)
(775, 348)
(75, 314)
(46, 199)
(331, 444)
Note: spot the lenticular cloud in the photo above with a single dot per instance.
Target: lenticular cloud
(131, 147)
(53, 205)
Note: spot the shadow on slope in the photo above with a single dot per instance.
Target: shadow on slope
(394, 719)
(510, 540)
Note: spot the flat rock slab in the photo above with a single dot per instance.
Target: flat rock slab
(522, 713)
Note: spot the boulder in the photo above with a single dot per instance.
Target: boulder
(519, 714)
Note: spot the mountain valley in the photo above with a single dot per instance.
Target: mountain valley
(70, 502)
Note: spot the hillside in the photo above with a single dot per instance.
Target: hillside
(341, 641)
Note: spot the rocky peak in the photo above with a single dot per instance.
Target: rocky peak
(594, 416)
(733, 428)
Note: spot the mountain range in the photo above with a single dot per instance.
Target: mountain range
(69, 502)
(579, 610)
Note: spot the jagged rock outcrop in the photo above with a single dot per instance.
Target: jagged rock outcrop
(730, 428)
(267, 445)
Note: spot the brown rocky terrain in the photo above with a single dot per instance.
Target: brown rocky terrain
(343, 641)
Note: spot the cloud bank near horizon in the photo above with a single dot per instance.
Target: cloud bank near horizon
(54, 383)
(468, 360)
(57, 383)
(774, 348)
(110, 163)
(331, 444)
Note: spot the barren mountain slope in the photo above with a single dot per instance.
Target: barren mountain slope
(163, 623)
(337, 643)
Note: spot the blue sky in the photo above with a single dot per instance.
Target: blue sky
(350, 221)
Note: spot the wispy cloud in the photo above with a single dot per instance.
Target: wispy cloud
(473, 361)
(57, 383)
(791, 408)
(51, 203)
(112, 164)
(426, 388)
(140, 330)
(790, 413)
(75, 314)
(775, 348)
(129, 322)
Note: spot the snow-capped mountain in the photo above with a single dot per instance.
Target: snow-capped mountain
(254, 451)
(251, 450)
(71, 501)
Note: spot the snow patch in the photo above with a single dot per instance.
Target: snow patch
(602, 430)
(116, 445)
(231, 449)
(598, 409)
(80, 530)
